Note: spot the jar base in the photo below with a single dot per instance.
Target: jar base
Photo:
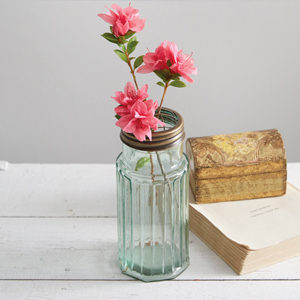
(159, 277)
(154, 263)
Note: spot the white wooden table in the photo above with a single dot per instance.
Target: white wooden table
(58, 240)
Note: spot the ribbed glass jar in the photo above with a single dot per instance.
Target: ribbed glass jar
(153, 231)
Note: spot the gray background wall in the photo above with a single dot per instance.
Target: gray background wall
(57, 74)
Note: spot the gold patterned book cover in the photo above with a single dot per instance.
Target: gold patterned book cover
(237, 166)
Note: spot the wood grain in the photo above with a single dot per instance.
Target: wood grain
(58, 190)
(86, 249)
(134, 290)
(50, 252)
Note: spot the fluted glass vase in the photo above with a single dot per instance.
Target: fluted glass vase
(152, 197)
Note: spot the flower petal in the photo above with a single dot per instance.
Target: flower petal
(122, 110)
(187, 78)
(140, 107)
(142, 93)
(149, 134)
(124, 121)
(137, 25)
(152, 122)
(141, 131)
(150, 58)
(150, 106)
(160, 65)
(112, 14)
(131, 126)
(131, 12)
(144, 69)
(120, 97)
(129, 90)
(107, 18)
(116, 7)
(119, 28)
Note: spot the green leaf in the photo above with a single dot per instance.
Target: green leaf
(129, 34)
(122, 39)
(168, 72)
(161, 75)
(169, 63)
(132, 39)
(160, 84)
(121, 54)
(142, 162)
(110, 37)
(131, 58)
(122, 47)
(138, 61)
(178, 84)
(131, 45)
(111, 30)
(117, 116)
(176, 76)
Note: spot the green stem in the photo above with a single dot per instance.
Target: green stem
(163, 96)
(152, 166)
(131, 69)
(166, 86)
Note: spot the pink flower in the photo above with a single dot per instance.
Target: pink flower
(155, 60)
(129, 97)
(123, 19)
(140, 120)
(183, 64)
(179, 62)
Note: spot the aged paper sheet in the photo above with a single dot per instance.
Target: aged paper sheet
(256, 223)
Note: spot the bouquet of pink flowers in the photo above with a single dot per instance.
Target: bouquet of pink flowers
(135, 113)
(152, 177)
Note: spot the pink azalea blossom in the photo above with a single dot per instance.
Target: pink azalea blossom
(140, 120)
(123, 20)
(181, 63)
(156, 60)
(129, 97)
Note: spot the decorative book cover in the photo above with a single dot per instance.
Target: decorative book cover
(237, 166)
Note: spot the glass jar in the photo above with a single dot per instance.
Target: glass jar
(152, 197)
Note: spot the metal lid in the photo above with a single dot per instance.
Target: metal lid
(168, 137)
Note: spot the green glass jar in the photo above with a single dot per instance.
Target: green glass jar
(153, 215)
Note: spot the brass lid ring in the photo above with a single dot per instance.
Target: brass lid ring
(161, 140)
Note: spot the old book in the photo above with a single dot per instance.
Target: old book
(252, 234)
(237, 166)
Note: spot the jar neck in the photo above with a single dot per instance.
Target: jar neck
(169, 136)
(169, 158)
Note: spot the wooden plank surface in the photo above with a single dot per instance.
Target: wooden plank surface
(58, 190)
(58, 240)
(73, 190)
(86, 248)
(136, 290)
